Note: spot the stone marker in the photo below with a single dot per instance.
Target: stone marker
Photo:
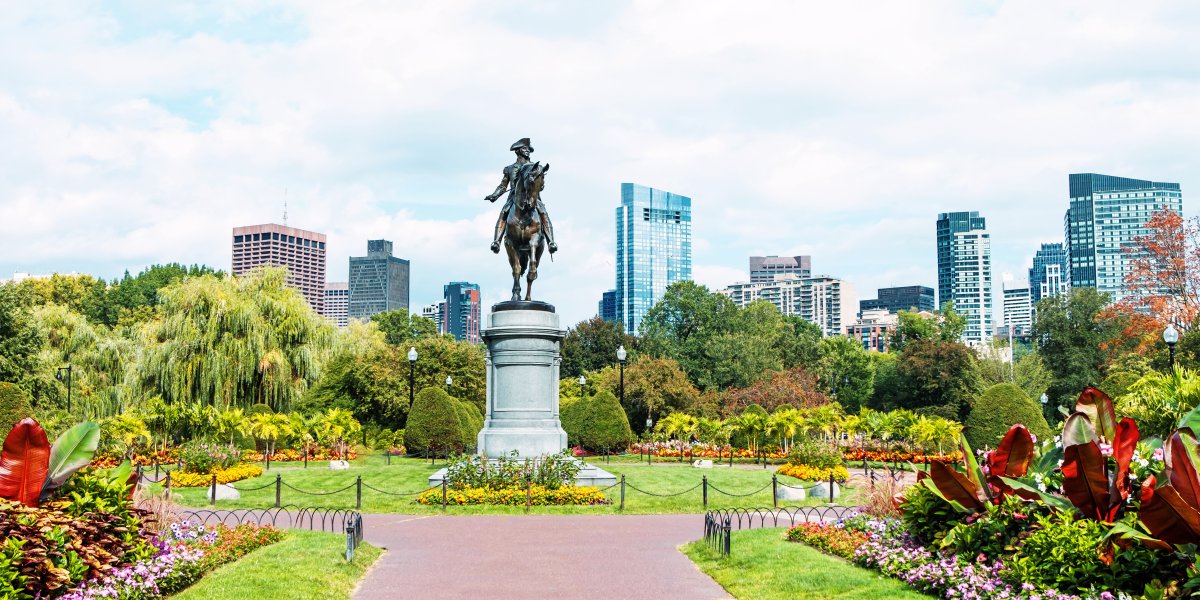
(224, 492)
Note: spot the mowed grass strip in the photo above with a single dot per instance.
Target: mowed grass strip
(395, 487)
(764, 566)
(304, 565)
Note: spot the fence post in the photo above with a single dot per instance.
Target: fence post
(775, 490)
(212, 499)
(444, 491)
(306, 456)
(704, 481)
(358, 493)
(763, 453)
(528, 494)
(831, 484)
(622, 492)
(167, 487)
(278, 488)
(156, 475)
(731, 456)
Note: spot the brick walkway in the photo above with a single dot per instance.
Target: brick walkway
(528, 556)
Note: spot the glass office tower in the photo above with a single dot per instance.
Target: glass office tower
(964, 250)
(1049, 263)
(654, 249)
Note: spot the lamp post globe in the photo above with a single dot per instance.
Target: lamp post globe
(1171, 337)
(412, 367)
(449, 382)
(582, 383)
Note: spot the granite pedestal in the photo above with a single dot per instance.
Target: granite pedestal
(523, 362)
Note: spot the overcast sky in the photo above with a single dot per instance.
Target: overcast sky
(134, 133)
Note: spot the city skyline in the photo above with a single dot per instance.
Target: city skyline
(792, 145)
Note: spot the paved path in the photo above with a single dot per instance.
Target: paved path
(535, 556)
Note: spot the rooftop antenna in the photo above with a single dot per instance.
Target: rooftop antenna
(285, 207)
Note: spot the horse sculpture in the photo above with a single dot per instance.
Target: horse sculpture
(523, 237)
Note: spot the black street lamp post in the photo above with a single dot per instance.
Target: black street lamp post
(412, 368)
(70, 369)
(1171, 337)
(621, 354)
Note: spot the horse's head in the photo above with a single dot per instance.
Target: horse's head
(532, 178)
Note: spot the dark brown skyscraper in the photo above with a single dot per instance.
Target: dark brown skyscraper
(302, 252)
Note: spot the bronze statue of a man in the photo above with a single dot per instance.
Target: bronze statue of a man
(523, 149)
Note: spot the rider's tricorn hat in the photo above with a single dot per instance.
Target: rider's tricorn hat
(521, 143)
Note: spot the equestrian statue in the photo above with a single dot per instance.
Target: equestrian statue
(523, 225)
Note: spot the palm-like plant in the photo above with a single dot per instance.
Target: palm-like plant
(784, 424)
(752, 426)
(678, 425)
(129, 429)
(228, 423)
(336, 427)
(269, 427)
(306, 429)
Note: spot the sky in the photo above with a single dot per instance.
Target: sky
(141, 132)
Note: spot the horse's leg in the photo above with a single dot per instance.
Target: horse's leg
(536, 243)
(514, 261)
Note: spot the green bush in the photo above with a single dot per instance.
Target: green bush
(597, 423)
(256, 409)
(815, 453)
(926, 516)
(14, 406)
(469, 423)
(434, 423)
(998, 409)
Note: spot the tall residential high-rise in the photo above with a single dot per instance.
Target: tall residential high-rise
(765, 268)
(896, 299)
(461, 315)
(1049, 255)
(1053, 284)
(436, 312)
(378, 281)
(654, 249)
(337, 303)
(1105, 215)
(302, 252)
(1018, 309)
(964, 252)
(822, 300)
(608, 305)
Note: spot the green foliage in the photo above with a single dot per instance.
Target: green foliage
(434, 424)
(233, 342)
(1157, 401)
(998, 409)
(997, 530)
(469, 424)
(1071, 339)
(20, 338)
(592, 345)
(815, 453)
(926, 515)
(937, 374)
(504, 472)
(128, 299)
(203, 458)
(12, 581)
(654, 387)
(401, 328)
(1028, 372)
(14, 406)
(846, 371)
(597, 423)
(1065, 554)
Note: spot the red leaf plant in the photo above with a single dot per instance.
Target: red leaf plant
(1171, 513)
(1010, 459)
(1098, 491)
(24, 462)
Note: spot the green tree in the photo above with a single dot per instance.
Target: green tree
(233, 342)
(14, 406)
(133, 299)
(846, 371)
(20, 338)
(433, 426)
(799, 344)
(1071, 339)
(1158, 401)
(592, 345)
(268, 428)
(938, 378)
(999, 408)
(653, 388)
(1028, 372)
(401, 328)
(337, 428)
(888, 389)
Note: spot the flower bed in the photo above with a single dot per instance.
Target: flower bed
(833, 540)
(807, 473)
(289, 455)
(537, 495)
(858, 455)
(186, 553)
(229, 475)
(675, 449)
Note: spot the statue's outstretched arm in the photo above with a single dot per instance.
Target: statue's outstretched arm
(499, 189)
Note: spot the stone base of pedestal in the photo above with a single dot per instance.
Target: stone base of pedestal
(529, 442)
(588, 475)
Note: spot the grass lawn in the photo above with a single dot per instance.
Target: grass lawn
(305, 564)
(762, 565)
(408, 476)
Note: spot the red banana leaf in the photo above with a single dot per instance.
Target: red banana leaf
(1100, 410)
(1180, 456)
(24, 462)
(954, 486)
(1147, 490)
(1124, 443)
(1012, 457)
(1085, 481)
(1168, 517)
(1078, 429)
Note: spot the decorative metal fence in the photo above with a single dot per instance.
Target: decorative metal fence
(720, 523)
(332, 520)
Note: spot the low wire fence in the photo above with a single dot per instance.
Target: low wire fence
(827, 490)
(331, 520)
(720, 523)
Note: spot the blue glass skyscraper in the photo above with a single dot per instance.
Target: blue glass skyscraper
(1050, 255)
(654, 249)
(964, 252)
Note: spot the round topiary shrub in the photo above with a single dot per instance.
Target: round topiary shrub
(606, 426)
(259, 409)
(469, 423)
(14, 406)
(998, 409)
(434, 423)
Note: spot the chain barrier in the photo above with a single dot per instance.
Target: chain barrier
(261, 487)
(318, 493)
(387, 493)
(721, 491)
(635, 488)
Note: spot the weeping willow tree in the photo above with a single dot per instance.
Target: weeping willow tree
(233, 342)
(100, 360)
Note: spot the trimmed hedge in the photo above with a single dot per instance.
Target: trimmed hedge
(596, 423)
(14, 406)
(435, 423)
(999, 408)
